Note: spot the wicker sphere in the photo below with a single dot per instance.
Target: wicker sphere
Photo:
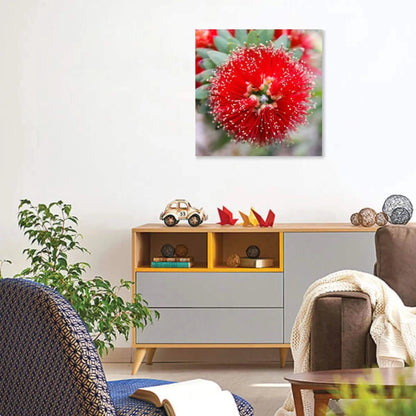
(394, 202)
(367, 217)
(400, 215)
(381, 219)
(253, 252)
(181, 250)
(167, 250)
(233, 260)
(355, 219)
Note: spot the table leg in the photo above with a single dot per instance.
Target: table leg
(297, 398)
(321, 403)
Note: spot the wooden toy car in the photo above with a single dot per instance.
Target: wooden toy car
(179, 209)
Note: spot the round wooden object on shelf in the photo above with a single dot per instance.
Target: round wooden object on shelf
(367, 217)
(253, 252)
(233, 260)
(355, 219)
(381, 219)
(167, 250)
(181, 250)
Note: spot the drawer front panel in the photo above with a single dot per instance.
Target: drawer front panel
(210, 326)
(176, 289)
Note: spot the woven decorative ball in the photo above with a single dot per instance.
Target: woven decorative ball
(253, 252)
(233, 260)
(181, 250)
(367, 217)
(400, 215)
(398, 201)
(355, 219)
(381, 219)
(167, 250)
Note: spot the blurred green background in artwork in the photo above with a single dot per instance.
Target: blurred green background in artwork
(213, 47)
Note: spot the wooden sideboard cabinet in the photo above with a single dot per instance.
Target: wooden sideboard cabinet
(211, 305)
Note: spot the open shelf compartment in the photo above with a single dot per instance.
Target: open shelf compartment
(224, 244)
(148, 245)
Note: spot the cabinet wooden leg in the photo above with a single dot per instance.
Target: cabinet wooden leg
(321, 404)
(283, 355)
(150, 354)
(138, 358)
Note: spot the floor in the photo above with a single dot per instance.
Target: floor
(261, 384)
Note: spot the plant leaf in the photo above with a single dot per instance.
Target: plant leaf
(207, 64)
(224, 33)
(297, 53)
(203, 52)
(241, 35)
(266, 35)
(253, 38)
(221, 43)
(282, 42)
(204, 75)
(217, 57)
(202, 92)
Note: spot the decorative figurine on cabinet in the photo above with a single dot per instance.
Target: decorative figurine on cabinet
(180, 209)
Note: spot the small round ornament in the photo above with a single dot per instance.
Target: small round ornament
(355, 219)
(398, 201)
(167, 250)
(233, 260)
(367, 217)
(381, 219)
(181, 250)
(253, 252)
(400, 215)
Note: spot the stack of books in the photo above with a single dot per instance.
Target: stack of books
(180, 262)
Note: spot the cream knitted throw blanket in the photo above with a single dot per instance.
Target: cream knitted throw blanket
(393, 328)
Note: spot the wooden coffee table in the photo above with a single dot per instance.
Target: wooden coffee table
(326, 384)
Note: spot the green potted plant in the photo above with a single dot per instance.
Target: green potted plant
(53, 237)
(372, 401)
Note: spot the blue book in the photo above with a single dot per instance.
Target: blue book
(178, 264)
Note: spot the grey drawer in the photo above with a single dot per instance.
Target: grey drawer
(214, 326)
(185, 289)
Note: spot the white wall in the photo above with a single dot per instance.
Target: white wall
(97, 109)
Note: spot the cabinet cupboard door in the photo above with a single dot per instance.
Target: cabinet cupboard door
(310, 256)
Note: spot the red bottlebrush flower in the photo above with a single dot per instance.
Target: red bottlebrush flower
(260, 94)
(204, 38)
(298, 39)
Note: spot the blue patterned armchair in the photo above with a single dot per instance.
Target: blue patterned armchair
(49, 365)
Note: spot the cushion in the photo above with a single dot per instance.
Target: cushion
(126, 406)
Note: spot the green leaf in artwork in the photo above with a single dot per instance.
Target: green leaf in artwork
(204, 75)
(204, 108)
(224, 33)
(266, 35)
(253, 38)
(203, 52)
(282, 42)
(217, 57)
(232, 45)
(241, 35)
(297, 53)
(208, 64)
(221, 43)
(202, 92)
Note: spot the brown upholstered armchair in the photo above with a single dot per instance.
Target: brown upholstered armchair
(341, 321)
